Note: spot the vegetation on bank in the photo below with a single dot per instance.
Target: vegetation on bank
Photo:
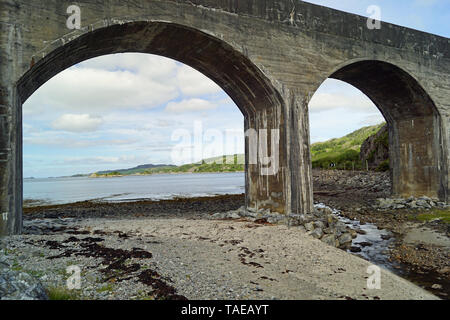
(433, 214)
(344, 152)
(339, 153)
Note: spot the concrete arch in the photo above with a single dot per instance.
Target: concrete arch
(416, 154)
(246, 84)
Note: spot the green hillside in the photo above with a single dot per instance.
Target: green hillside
(344, 152)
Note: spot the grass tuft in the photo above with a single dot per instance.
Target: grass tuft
(62, 293)
(442, 214)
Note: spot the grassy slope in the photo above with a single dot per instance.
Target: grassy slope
(342, 151)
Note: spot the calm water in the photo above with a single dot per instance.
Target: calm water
(67, 190)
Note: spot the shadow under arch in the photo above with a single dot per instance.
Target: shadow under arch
(416, 156)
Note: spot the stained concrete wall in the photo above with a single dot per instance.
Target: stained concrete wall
(270, 56)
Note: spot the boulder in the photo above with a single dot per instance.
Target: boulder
(319, 224)
(317, 233)
(344, 239)
(309, 226)
(329, 239)
(296, 220)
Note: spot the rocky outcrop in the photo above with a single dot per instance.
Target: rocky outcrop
(375, 150)
(16, 285)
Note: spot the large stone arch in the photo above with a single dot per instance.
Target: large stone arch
(417, 156)
(254, 94)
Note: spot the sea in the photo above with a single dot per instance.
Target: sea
(132, 188)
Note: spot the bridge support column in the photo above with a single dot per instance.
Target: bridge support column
(445, 145)
(287, 189)
(416, 166)
(10, 163)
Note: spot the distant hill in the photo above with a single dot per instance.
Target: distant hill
(219, 164)
(343, 152)
(139, 169)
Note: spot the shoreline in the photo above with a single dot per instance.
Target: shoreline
(156, 174)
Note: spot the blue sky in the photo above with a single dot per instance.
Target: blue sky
(133, 106)
(431, 16)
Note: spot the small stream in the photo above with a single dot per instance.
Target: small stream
(373, 245)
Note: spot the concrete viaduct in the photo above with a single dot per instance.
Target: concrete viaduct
(269, 56)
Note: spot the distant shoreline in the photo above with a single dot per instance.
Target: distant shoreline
(132, 175)
(97, 176)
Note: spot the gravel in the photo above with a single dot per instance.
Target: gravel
(155, 258)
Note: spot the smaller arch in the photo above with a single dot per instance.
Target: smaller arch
(416, 157)
(394, 91)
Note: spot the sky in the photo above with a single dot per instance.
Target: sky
(431, 16)
(119, 111)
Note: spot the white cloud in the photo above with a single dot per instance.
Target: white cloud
(151, 66)
(97, 160)
(190, 106)
(323, 101)
(77, 123)
(71, 143)
(373, 119)
(193, 83)
(81, 89)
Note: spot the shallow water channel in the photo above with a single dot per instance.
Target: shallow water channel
(374, 244)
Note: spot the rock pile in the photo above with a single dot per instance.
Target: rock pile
(410, 203)
(337, 179)
(323, 224)
(15, 285)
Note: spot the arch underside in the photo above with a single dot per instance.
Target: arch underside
(416, 156)
(232, 71)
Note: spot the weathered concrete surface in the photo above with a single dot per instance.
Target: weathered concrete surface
(269, 55)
